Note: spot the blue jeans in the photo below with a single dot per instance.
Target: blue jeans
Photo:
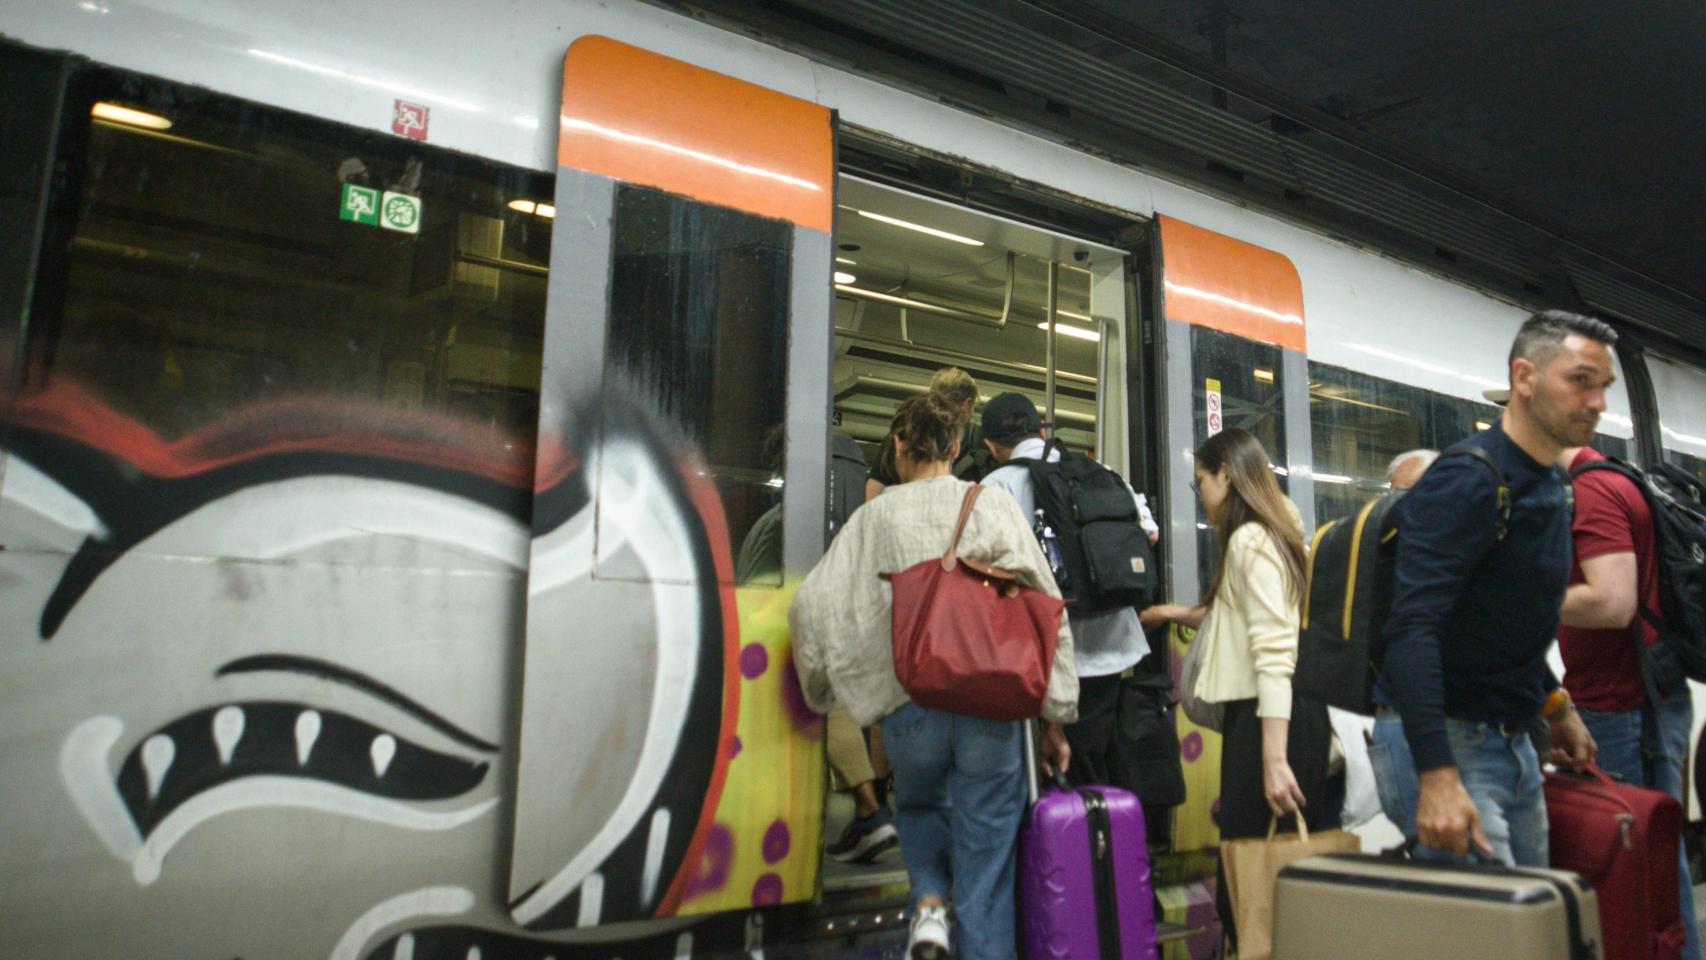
(1618, 735)
(959, 789)
(1500, 772)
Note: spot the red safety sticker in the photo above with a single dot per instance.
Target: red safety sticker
(410, 120)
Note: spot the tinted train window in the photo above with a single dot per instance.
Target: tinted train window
(235, 260)
(1243, 378)
(699, 322)
(1360, 422)
(1681, 392)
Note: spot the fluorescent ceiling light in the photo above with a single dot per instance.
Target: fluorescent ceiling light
(546, 210)
(1483, 425)
(1334, 478)
(1071, 331)
(841, 277)
(114, 113)
(850, 263)
(1264, 375)
(932, 231)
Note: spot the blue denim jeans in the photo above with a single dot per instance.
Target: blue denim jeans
(1500, 772)
(1618, 735)
(959, 790)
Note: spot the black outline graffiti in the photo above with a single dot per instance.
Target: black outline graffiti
(321, 669)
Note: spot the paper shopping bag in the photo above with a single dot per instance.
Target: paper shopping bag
(1251, 867)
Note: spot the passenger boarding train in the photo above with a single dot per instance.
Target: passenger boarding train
(391, 398)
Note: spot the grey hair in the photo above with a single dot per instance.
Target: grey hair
(1423, 454)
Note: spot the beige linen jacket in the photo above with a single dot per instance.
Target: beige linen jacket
(1252, 628)
(843, 647)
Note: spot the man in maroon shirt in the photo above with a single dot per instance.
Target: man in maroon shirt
(1615, 575)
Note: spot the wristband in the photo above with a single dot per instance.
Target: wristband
(1556, 703)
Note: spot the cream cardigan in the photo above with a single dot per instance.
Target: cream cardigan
(843, 647)
(1252, 628)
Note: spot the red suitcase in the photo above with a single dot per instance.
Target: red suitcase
(1623, 839)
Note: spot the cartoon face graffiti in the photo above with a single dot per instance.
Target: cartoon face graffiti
(267, 693)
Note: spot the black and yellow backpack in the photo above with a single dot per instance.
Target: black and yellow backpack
(1349, 591)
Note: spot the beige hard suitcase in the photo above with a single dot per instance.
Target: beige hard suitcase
(1348, 906)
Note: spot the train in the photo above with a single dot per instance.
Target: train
(395, 396)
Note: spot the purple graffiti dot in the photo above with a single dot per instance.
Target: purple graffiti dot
(754, 660)
(1191, 747)
(734, 747)
(711, 873)
(767, 892)
(806, 723)
(776, 841)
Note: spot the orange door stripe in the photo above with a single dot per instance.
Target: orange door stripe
(1215, 281)
(639, 117)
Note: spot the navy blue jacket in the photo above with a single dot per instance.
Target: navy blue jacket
(1472, 619)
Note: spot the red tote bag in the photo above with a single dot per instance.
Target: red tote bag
(969, 639)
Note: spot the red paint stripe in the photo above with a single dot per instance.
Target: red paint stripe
(298, 425)
(709, 504)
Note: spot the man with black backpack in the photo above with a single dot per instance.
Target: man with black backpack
(1088, 521)
(1483, 558)
(1619, 662)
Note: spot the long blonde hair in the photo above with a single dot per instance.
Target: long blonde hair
(1251, 495)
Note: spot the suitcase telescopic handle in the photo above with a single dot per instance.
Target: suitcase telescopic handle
(1032, 786)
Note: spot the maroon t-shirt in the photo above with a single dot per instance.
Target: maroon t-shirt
(1601, 670)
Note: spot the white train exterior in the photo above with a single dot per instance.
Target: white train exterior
(311, 673)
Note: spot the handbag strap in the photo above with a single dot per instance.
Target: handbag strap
(948, 558)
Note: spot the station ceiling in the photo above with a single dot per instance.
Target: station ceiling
(1555, 148)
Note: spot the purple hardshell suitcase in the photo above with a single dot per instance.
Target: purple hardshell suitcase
(1084, 888)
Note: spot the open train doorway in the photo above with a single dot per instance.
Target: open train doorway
(921, 285)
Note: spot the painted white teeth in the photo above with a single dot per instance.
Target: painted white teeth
(383, 749)
(227, 730)
(157, 754)
(307, 731)
(405, 948)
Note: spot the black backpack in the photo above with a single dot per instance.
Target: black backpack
(1348, 592)
(1673, 498)
(1104, 562)
(846, 480)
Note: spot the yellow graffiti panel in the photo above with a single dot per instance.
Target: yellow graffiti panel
(763, 847)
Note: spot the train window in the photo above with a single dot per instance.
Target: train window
(1243, 379)
(1360, 422)
(232, 262)
(1681, 392)
(699, 324)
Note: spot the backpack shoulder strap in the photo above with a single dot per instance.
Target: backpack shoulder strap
(1503, 491)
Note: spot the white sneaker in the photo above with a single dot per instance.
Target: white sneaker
(929, 939)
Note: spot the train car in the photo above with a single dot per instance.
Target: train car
(417, 421)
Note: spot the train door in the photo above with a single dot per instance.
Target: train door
(1232, 333)
(922, 285)
(667, 762)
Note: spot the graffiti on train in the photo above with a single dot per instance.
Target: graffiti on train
(329, 678)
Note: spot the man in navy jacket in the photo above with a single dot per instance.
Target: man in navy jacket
(1475, 610)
